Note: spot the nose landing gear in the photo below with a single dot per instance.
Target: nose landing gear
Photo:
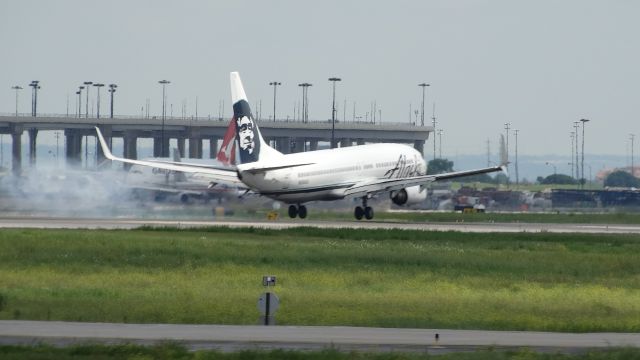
(363, 211)
(297, 211)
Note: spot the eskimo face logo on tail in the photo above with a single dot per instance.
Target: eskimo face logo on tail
(247, 132)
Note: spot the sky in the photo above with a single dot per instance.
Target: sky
(539, 65)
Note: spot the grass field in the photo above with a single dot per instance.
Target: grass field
(172, 351)
(520, 281)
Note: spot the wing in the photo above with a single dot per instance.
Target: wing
(227, 175)
(373, 186)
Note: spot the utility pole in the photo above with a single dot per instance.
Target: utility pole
(583, 180)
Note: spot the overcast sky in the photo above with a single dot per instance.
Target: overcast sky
(538, 64)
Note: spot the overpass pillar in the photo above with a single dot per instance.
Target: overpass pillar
(16, 149)
(33, 133)
(298, 145)
(130, 147)
(313, 145)
(107, 133)
(283, 145)
(181, 146)
(360, 141)
(158, 145)
(419, 145)
(195, 148)
(345, 142)
(213, 147)
(74, 147)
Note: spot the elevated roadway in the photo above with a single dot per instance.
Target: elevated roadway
(286, 136)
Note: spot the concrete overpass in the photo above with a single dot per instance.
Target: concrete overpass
(286, 136)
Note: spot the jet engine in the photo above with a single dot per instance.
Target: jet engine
(409, 196)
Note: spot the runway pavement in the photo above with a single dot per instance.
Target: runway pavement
(231, 337)
(115, 223)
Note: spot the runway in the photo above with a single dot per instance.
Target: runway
(115, 223)
(232, 337)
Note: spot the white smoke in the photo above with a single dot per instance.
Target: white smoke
(63, 192)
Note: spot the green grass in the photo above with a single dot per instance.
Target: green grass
(523, 281)
(173, 351)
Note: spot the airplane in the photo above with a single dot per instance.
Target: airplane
(323, 175)
(164, 183)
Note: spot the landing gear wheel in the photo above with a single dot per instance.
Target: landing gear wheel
(293, 211)
(368, 213)
(358, 213)
(302, 211)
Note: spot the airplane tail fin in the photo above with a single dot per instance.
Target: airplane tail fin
(250, 144)
(227, 152)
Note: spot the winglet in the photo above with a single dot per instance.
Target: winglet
(103, 144)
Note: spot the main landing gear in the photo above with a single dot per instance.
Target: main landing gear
(363, 211)
(297, 210)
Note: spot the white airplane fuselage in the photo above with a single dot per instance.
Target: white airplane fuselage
(330, 172)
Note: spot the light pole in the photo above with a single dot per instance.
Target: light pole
(507, 127)
(584, 121)
(275, 84)
(333, 111)
(78, 109)
(16, 88)
(554, 167)
(164, 83)
(305, 101)
(515, 133)
(573, 138)
(79, 93)
(98, 100)
(34, 97)
(112, 89)
(424, 86)
(87, 84)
